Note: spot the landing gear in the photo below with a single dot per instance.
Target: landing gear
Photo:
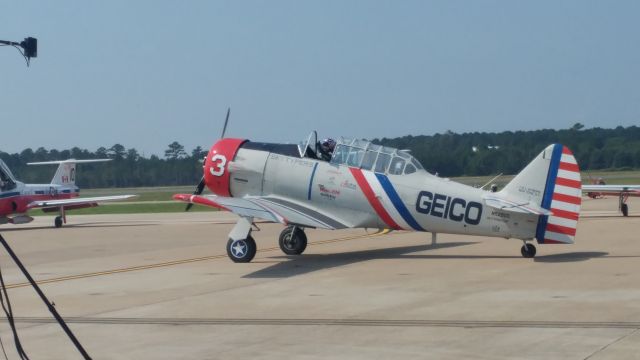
(528, 250)
(241, 251)
(293, 240)
(241, 248)
(622, 201)
(60, 219)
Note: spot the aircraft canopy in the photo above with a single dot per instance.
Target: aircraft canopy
(365, 155)
(7, 181)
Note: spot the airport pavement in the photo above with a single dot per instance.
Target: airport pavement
(160, 286)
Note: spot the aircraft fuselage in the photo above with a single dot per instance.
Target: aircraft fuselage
(418, 201)
(15, 200)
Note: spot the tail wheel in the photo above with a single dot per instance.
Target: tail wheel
(241, 251)
(293, 240)
(625, 209)
(57, 221)
(528, 250)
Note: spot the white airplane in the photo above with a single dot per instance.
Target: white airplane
(61, 195)
(364, 185)
(623, 192)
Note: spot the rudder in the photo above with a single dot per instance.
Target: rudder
(65, 174)
(552, 180)
(562, 196)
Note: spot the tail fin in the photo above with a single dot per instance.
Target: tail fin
(66, 173)
(551, 180)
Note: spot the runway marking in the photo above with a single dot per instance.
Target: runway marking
(340, 322)
(180, 262)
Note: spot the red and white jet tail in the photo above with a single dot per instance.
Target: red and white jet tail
(66, 172)
(551, 181)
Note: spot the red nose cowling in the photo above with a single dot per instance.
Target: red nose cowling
(216, 165)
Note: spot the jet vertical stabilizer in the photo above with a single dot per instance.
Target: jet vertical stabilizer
(66, 172)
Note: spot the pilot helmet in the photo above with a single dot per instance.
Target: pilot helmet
(328, 144)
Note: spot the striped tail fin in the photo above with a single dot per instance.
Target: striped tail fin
(552, 181)
(562, 195)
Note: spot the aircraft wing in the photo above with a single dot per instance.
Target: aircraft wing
(77, 201)
(633, 190)
(270, 208)
(524, 207)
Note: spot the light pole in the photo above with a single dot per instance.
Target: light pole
(29, 47)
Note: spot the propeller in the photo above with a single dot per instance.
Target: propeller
(226, 121)
(201, 184)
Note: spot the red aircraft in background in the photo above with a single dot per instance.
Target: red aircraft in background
(623, 192)
(61, 195)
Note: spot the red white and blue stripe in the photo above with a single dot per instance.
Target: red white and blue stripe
(385, 200)
(562, 195)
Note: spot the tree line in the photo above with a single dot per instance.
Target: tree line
(507, 152)
(448, 154)
(128, 167)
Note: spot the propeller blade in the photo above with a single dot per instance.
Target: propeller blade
(226, 121)
(198, 191)
(201, 185)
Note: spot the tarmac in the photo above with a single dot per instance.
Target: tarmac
(160, 286)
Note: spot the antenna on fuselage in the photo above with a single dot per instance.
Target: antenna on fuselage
(202, 183)
(490, 181)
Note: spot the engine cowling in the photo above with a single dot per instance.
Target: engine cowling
(216, 165)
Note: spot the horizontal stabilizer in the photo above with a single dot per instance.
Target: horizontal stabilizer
(68, 161)
(524, 207)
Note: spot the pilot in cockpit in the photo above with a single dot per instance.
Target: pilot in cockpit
(326, 148)
(3, 182)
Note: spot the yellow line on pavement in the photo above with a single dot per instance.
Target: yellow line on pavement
(179, 262)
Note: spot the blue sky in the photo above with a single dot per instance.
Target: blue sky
(147, 73)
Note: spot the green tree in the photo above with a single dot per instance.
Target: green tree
(175, 151)
(132, 154)
(117, 152)
(577, 126)
(198, 153)
(41, 154)
(101, 153)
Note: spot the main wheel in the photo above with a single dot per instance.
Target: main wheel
(57, 221)
(528, 250)
(241, 251)
(625, 209)
(293, 240)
